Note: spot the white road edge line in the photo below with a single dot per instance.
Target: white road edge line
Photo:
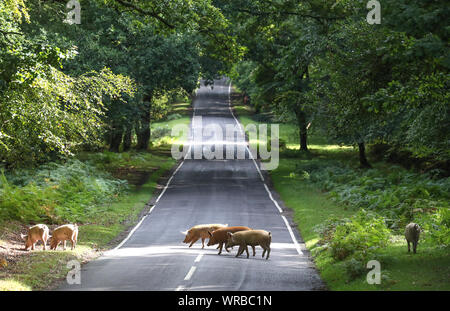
(297, 246)
(190, 273)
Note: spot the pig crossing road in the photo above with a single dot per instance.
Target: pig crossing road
(204, 191)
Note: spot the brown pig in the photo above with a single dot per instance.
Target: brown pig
(200, 231)
(251, 237)
(35, 233)
(220, 236)
(63, 233)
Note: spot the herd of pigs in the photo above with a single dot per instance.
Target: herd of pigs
(217, 234)
(230, 236)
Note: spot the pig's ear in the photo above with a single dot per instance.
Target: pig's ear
(210, 234)
(23, 236)
(230, 234)
(184, 232)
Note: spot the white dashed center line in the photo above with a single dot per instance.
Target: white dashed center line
(190, 273)
(199, 257)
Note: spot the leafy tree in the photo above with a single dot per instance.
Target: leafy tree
(44, 112)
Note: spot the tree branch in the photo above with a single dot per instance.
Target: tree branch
(146, 12)
(319, 18)
(6, 33)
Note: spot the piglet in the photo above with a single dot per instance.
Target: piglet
(64, 233)
(35, 233)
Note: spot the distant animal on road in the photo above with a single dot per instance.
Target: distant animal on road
(253, 238)
(412, 234)
(35, 233)
(200, 231)
(64, 233)
(220, 236)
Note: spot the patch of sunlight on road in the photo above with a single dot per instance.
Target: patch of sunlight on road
(174, 249)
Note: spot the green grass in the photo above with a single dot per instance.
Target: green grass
(429, 269)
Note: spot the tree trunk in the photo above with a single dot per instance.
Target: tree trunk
(362, 156)
(301, 119)
(143, 129)
(127, 138)
(116, 139)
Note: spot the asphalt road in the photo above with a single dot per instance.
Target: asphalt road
(203, 191)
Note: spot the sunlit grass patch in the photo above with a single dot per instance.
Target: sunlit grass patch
(10, 284)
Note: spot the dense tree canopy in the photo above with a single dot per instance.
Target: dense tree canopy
(306, 61)
(361, 83)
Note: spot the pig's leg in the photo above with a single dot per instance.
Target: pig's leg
(193, 241)
(44, 241)
(246, 250)
(75, 239)
(239, 251)
(203, 243)
(268, 252)
(64, 245)
(253, 246)
(220, 248)
(32, 245)
(244, 247)
(408, 247)
(263, 251)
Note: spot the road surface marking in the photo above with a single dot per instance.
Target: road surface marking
(297, 246)
(273, 200)
(199, 257)
(134, 229)
(190, 273)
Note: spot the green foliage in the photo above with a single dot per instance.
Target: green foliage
(436, 228)
(45, 113)
(359, 237)
(322, 62)
(69, 192)
(396, 194)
